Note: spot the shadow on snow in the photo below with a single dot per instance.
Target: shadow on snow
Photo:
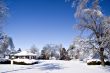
(51, 66)
(48, 66)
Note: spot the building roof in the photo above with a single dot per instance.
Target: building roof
(25, 53)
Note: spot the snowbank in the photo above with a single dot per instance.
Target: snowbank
(4, 61)
(97, 60)
(54, 66)
(27, 61)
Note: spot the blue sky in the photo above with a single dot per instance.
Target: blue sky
(42, 22)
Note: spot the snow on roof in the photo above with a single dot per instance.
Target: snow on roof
(24, 53)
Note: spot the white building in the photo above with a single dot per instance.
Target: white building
(25, 56)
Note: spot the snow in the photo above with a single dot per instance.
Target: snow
(24, 53)
(3, 59)
(97, 60)
(28, 61)
(99, 13)
(54, 66)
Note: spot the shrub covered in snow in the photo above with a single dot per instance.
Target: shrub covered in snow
(97, 62)
(23, 63)
(4, 61)
(94, 63)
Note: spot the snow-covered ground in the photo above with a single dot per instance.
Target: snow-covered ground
(54, 66)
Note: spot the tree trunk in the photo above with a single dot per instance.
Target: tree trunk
(102, 56)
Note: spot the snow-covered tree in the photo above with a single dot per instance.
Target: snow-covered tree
(51, 50)
(55, 51)
(92, 19)
(3, 13)
(71, 51)
(82, 48)
(34, 50)
(19, 50)
(63, 54)
(46, 52)
(5, 42)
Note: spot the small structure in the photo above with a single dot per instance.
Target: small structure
(25, 55)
